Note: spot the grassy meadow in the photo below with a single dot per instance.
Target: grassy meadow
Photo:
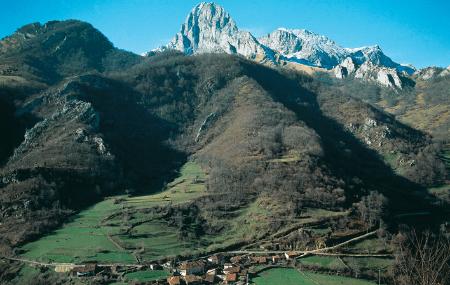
(82, 239)
(96, 233)
(145, 276)
(290, 276)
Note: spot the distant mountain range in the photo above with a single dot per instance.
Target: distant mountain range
(208, 28)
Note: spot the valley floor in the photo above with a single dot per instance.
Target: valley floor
(127, 232)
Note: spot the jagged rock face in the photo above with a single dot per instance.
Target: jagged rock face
(369, 71)
(209, 28)
(303, 45)
(373, 54)
(446, 72)
(385, 76)
(431, 72)
(299, 45)
(345, 68)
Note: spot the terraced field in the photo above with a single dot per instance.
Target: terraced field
(97, 232)
(121, 228)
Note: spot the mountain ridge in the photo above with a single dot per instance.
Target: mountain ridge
(209, 28)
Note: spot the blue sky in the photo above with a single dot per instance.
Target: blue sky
(409, 31)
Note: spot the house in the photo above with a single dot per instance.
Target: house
(192, 279)
(233, 269)
(214, 259)
(236, 259)
(212, 271)
(290, 255)
(209, 278)
(227, 265)
(174, 280)
(192, 267)
(231, 278)
(259, 259)
(276, 258)
(168, 264)
(84, 271)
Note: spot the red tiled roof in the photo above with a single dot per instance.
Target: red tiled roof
(231, 277)
(174, 280)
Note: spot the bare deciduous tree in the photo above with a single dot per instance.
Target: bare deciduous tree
(422, 259)
(371, 208)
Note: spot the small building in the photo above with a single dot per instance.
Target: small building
(259, 259)
(167, 265)
(231, 278)
(236, 259)
(212, 271)
(192, 267)
(214, 259)
(86, 270)
(290, 255)
(227, 265)
(276, 258)
(209, 278)
(174, 280)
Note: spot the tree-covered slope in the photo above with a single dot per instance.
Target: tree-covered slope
(93, 120)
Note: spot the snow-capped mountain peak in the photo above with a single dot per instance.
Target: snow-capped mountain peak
(301, 44)
(209, 28)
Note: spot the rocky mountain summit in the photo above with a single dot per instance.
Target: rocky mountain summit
(304, 46)
(210, 29)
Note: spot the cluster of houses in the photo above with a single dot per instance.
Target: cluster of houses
(215, 269)
(223, 269)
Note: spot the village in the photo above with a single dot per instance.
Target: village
(226, 269)
(229, 267)
(222, 268)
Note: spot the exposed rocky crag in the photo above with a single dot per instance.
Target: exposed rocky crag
(210, 29)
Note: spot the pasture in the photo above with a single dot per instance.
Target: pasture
(290, 276)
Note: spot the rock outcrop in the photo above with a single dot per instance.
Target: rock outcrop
(446, 72)
(345, 68)
(385, 76)
(428, 72)
(368, 71)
